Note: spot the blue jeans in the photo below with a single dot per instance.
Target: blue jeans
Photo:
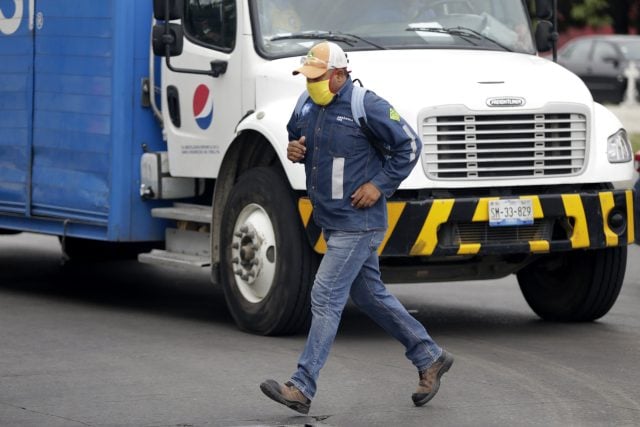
(350, 268)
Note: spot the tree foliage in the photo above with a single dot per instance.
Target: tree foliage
(623, 16)
(592, 13)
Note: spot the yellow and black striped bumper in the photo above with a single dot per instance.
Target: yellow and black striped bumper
(445, 227)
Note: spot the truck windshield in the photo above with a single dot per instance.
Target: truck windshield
(289, 27)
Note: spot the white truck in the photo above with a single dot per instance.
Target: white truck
(521, 172)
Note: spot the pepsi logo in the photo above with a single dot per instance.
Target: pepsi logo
(203, 107)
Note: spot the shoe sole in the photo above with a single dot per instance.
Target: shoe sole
(272, 390)
(420, 399)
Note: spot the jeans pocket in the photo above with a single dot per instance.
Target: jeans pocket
(340, 238)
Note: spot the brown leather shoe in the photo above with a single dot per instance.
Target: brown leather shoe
(430, 379)
(287, 394)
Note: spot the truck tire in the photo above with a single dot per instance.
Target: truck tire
(575, 286)
(267, 264)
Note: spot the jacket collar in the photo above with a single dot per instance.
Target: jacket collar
(346, 87)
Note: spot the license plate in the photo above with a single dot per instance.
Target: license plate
(510, 212)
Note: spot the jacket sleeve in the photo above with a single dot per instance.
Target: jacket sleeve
(291, 127)
(294, 132)
(404, 143)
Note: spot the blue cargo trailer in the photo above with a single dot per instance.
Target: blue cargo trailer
(72, 120)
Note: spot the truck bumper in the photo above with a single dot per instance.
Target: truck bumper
(460, 226)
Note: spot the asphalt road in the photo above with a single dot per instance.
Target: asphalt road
(124, 344)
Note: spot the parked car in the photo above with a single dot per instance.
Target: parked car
(600, 61)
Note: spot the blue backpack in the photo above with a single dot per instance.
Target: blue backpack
(359, 115)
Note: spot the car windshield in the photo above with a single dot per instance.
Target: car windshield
(289, 27)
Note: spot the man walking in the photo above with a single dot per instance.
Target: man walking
(348, 180)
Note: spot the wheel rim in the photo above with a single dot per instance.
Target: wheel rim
(253, 253)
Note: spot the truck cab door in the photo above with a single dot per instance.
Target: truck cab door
(200, 111)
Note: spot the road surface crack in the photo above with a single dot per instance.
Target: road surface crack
(33, 411)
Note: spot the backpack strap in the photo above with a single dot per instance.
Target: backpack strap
(360, 116)
(357, 104)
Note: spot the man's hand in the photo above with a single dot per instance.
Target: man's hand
(296, 149)
(365, 196)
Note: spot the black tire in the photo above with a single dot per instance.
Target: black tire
(577, 286)
(262, 210)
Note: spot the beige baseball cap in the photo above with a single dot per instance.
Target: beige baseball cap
(322, 57)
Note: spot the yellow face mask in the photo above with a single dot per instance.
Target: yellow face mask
(320, 92)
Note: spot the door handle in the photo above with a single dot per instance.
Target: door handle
(173, 102)
(218, 67)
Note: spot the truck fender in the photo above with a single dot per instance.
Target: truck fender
(271, 123)
(607, 122)
(257, 125)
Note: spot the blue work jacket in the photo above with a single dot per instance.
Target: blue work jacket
(339, 158)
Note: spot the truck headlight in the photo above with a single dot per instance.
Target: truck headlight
(619, 148)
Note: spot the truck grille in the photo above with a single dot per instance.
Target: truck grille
(462, 233)
(504, 146)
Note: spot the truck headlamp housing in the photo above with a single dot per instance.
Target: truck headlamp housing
(619, 148)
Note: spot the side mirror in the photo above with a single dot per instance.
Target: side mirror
(167, 42)
(545, 36)
(544, 9)
(168, 39)
(175, 9)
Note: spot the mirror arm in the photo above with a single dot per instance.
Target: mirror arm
(554, 34)
(213, 73)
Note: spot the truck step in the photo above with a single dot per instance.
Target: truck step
(172, 259)
(184, 212)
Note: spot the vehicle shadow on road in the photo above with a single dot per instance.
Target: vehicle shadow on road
(464, 310)
(130, 286)
(121, 285)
